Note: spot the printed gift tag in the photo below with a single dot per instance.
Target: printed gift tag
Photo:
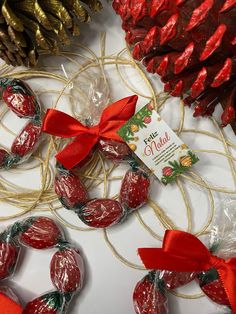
(153, 141)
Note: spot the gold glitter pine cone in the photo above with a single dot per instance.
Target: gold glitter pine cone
(27, 26)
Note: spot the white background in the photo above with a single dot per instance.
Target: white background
(109, 283)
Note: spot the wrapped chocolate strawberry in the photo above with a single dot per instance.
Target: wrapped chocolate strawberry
(22, 101)
(40, 233)
(20, 98)
(67, 269)
(9, 251)
(114, 150)
(211, 284)
(69, 189)
(27, 141)
(149, 295)
(102, 213)
(134, 188)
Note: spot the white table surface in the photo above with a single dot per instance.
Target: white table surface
(109, 283)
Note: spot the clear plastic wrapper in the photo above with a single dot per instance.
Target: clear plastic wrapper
(94, 95)
(223, 245)
(9, 302)
(223, 230)
(9, 251)
(69, 189)
(149, 295)
(174, 279)
(21, 100)
(102, 213)
(40, 233)
(115, 151)
(27, 141)
(66, 268)
(9, 293)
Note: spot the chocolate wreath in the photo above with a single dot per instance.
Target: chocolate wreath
(66, 268)
(21, 100)
(98, 213)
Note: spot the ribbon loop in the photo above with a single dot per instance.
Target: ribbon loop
(60, 124)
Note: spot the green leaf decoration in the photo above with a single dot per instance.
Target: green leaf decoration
(137, 120)
(194, 157)
(63, 244)
(53, 300)
(11, 232)
(178, 168)
(20, 89)
(165, 180)
(215, 246)
(4, 82)
(207, 277)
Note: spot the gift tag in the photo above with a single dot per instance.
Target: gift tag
(153, 141)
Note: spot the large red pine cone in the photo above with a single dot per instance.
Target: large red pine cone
(190, 44)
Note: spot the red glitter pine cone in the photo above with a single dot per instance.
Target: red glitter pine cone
(190, 44)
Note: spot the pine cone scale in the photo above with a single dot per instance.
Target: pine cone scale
(11, 18)
(29, 25)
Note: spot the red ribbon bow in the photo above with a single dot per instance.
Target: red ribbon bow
(61, 124)
(182, 251)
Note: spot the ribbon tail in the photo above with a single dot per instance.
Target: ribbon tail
(228, 278)
(77, 150)
(60, 124)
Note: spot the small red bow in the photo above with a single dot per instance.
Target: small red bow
(182, 251)
(61, 124)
